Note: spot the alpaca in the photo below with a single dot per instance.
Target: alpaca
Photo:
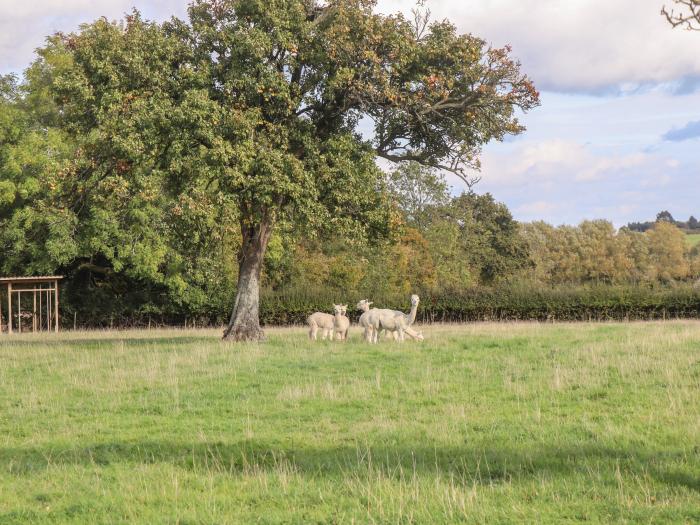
(341, 322)
(373, 327)
(323, 321)
(393, 321)
(363, 306)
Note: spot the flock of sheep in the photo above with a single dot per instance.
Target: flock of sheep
(372, 320)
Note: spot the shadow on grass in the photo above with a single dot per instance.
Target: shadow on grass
(99, 342)
(466, 464)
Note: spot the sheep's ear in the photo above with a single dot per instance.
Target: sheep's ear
(370, 302)
(344, 305)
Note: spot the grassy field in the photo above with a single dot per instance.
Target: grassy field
(693, 239)
(487, 423)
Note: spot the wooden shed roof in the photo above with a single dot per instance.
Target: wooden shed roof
(35, 279)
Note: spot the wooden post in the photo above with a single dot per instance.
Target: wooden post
(34, 313)
(48, 309)
(19, 311)
(55, 288)
(41, 307)
(9, 308)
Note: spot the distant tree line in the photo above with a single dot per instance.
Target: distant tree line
(690, 225)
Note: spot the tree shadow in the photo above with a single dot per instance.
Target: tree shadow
(465, 464)
(99, 342)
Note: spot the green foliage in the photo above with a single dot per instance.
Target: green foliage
(525, 301)
(594, 252)
(160, 156)
(252, 108)
(418, 191)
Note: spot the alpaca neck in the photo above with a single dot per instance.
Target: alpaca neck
(412, 315)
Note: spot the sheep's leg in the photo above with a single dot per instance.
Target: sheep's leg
(313, 329)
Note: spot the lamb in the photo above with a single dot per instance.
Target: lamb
(341, 322)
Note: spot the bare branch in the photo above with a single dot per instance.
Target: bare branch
(421, 19)
(688, 16)
(456, 165)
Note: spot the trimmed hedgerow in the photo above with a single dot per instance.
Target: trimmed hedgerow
(512, 303)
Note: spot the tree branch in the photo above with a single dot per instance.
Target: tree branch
(688, 16)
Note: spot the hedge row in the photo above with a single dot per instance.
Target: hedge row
(600, 303)
(512, 303)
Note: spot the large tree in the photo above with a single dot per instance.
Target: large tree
(276, 111)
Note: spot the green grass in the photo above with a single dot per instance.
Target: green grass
(488, 423)
(693, 239)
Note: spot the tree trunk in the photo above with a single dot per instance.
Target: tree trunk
(244, 324)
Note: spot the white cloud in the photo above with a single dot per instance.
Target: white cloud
(598, 168)
(538, 208)
(579, 45)
(557, 161)
(24, 25)
(566, 181)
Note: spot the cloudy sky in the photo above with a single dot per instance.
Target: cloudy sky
(618, 132)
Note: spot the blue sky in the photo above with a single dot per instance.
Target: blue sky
(618, 132)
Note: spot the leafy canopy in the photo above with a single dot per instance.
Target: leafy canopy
(264, 101)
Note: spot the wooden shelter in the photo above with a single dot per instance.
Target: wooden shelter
(32, 300)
